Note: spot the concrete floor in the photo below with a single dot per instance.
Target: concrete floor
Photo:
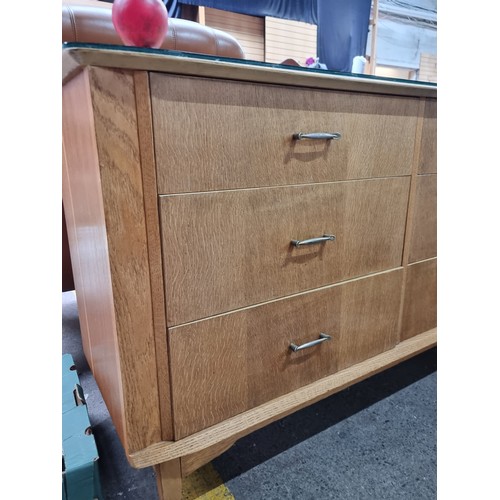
(375, 440)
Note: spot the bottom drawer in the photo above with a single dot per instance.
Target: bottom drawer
(227, 364)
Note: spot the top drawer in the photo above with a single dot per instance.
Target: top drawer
(213, 134)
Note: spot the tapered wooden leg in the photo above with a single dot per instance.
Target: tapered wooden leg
(168, 479)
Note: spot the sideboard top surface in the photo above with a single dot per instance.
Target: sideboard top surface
(76, 56)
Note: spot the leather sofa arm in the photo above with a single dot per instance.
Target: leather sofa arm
(89, 21)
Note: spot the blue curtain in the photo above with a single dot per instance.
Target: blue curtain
(297, 10)
(173, 8)
(342, 31)
(342, 24)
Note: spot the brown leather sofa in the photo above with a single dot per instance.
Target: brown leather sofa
(89, 21)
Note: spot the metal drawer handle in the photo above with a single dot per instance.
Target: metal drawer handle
(323, 337)
(313, 241)
(319, 136)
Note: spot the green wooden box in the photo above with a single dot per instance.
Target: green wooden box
(80, 474)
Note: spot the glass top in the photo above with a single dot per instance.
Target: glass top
(245, 62)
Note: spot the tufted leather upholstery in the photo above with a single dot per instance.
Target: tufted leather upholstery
(89, 21)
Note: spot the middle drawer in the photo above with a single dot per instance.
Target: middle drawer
(230, 249)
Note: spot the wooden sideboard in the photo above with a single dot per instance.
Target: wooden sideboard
(228, 270)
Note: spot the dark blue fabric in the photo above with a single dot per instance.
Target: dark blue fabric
(342, 31)
(173, 8)
(342, 24)
(297, 10)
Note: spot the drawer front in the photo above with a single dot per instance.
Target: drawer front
(231, 363)
(232, 249)
(423, 244)
(212, 135)
(420, 303)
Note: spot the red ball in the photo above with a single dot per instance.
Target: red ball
(140, 23)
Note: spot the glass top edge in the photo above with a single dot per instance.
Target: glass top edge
(244, 62)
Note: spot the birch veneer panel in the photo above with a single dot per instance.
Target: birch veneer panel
(183, 195)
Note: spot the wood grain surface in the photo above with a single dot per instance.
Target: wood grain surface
(115, 120)
(169, 480)
(230, 249)
(88, 242)
(193, 461)
(148, 170)
(420, 302)
(423, 231)
(428, 147)
(211, 135)
(256, 418)
(229, 364)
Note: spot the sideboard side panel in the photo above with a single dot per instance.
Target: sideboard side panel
(116, 126)
(88, 244)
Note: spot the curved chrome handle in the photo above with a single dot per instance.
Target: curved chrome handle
(313, 241)
(319, 136)
(323, 337)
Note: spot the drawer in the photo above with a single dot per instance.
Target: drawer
(212, 135)
(420, 303)
(228, 364)
(424, 228)
(232, 249)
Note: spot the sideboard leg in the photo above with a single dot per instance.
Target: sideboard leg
(168, 479)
